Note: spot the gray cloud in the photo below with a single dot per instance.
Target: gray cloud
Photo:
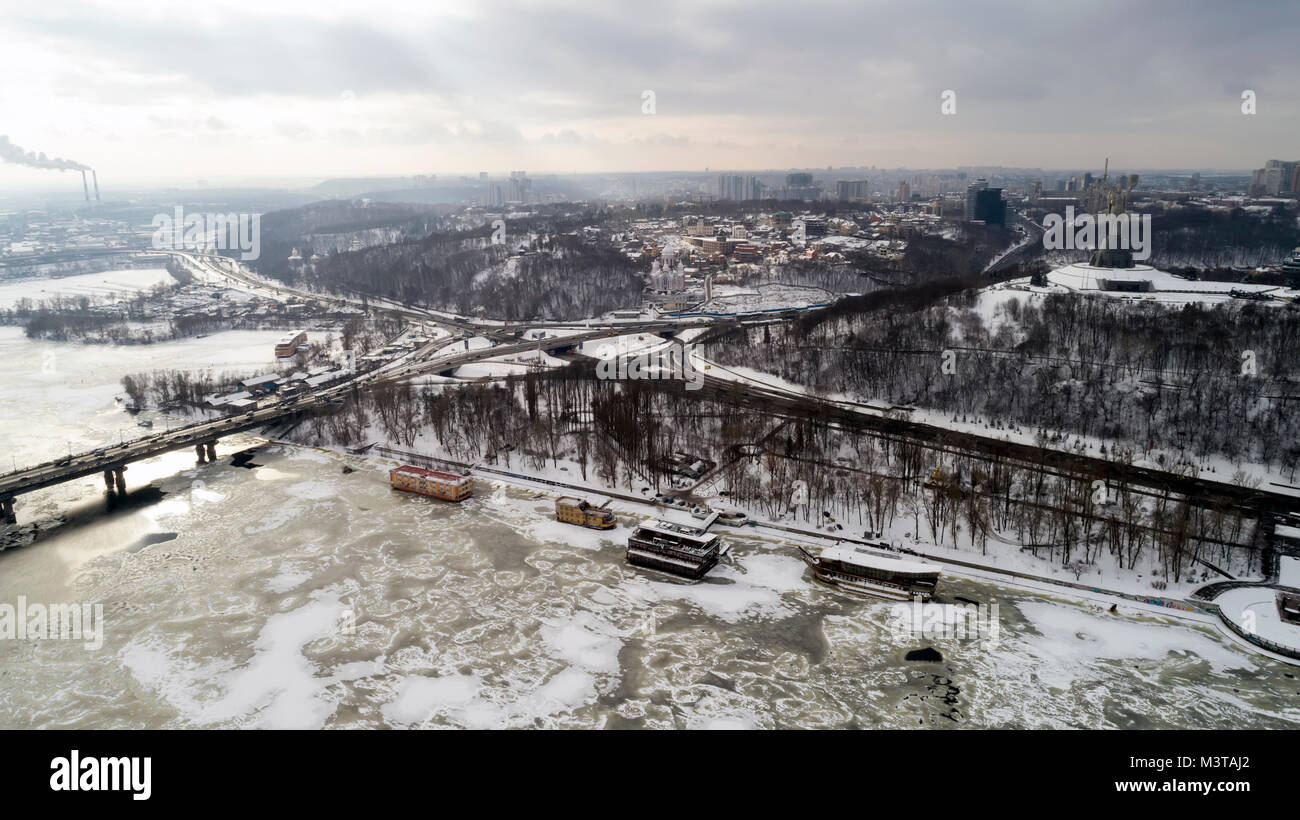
(787, 73)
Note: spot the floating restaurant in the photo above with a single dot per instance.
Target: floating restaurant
(686, 549)
(435, 483)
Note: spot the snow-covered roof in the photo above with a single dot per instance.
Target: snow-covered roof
(229, 397)
(263, 379)
(679, 531)
(683, 518)
(437, 475)
(851, 555)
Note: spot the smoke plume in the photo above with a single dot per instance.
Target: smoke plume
(12, 153)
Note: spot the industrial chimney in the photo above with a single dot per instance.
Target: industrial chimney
(85, 187)
(95, 176)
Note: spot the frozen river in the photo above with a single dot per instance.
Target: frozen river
(289, 593)
(97, 286)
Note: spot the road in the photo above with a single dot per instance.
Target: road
(230, 270)
(1198, 490)
(1021, 251)
(433, 357)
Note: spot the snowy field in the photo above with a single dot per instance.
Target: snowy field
(1167, 287)
(96, 286)
(1254, 609)
(774, 297)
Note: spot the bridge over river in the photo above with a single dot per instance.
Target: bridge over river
(112, 460)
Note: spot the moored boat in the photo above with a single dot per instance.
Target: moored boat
(573, 510)
(871, 573)
(436, 483)
(678, 548)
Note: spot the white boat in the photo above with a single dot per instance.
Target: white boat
(872, 573)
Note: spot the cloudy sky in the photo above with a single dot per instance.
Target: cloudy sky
(229, 89)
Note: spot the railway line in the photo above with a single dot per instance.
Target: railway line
(886, 421)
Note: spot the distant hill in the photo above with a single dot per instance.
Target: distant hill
(332, 224)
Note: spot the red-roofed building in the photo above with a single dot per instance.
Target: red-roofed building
(436, 483)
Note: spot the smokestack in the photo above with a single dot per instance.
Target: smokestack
(94, 175)
(85, 187)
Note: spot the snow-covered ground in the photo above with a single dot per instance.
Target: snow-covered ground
(1084, 278)
(1254, 609)
(511, 364)
(770, 297)
(96, 286)
(630, 344)
(1212, 467)
(1006, 554)
(1215, 468)
(849, 242)
(74, 386)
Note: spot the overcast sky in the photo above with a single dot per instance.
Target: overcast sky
(216, 89)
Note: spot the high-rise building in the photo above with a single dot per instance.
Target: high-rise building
(972, 193)
(985, 204)
(801, 186)
(851, 190)
(904, 192)
(521, 187)
(739, 188)
(1278, 175)
(1273, 181)
(990, 207)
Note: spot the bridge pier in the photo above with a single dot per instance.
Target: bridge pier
(212, 450)
(108, 480)
(198, 451)
(119, 479)
(7, 511)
